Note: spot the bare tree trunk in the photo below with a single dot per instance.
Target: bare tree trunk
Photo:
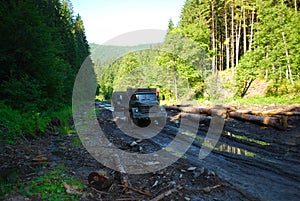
(295, 6)
(213, 40)
(175, 86)
(227, 41)
(216, 44)
(221, 55)
(237, 43)
(289, 71)
(251, 32)
(245, 30)
(232, 40)
(267, 56)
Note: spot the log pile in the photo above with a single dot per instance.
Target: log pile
(275, 118)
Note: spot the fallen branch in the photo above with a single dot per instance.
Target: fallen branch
(208, 189)
(124, 177)
(101, 192)
(167, 193)
(73, 190)
(137, 190)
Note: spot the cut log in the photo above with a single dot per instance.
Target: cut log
(268, 113)
(276, 122)
(194, 110)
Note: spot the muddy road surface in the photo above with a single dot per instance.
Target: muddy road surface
(262, 162)
(248, 162)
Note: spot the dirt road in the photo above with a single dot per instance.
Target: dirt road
(249, 162)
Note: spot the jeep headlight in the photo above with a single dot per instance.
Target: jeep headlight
(135, 109)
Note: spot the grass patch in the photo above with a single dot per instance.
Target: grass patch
(263, 100)
(15, 125)
(76, 142)
(259, 142)
(51, 186)
(61, 121)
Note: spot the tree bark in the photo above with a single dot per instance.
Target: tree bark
(190, 110)
(227, 41)
(175, 86)
(268, 113)
(289, 71)
(213, 39)
(245, 30)
(232, 40)
(237, 43)
(251, 30)
(278, 123)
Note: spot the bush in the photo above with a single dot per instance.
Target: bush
(23, 93)
(10, 124)
(214, 88)
(14, 125)
(61, 121)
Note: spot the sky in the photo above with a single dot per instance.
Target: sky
(104, 20)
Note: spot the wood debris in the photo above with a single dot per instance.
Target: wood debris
(73, 190)
(167, 193)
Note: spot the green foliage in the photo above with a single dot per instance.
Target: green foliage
(61, 121)
(274, 56)
(14, 124)
(127, 65)
(247, 71)
(42, 48)
(76, 142)
(27, 92)
(256, 39)
(263, 100)
(214, 89)
(51, 187)
(187, 60)
(283, 89)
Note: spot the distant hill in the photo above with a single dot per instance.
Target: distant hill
(103, 54)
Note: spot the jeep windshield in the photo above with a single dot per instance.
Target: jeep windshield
(146, 97)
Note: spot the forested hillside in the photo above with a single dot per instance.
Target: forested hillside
(245, 41)
(43, 44)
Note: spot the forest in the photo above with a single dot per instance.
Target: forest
(219, 49)
(43, 44)
(238, 60)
